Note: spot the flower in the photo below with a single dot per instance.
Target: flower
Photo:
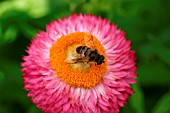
(58, 86)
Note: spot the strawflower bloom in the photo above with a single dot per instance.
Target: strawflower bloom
(57, 86)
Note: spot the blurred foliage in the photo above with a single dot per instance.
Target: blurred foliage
(146, 23)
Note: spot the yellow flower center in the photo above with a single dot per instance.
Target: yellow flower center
(78, 74)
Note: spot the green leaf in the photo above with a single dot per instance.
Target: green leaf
(12, 84)
(41, 7)
(9, 35)
(165, 36)
(35, 8)
(155, 73)
(137, 99)
(129, 8)
(163, 105)
(75, 5)
(95, 7)
(28, 30)
(1, 75)
(0, 29)
(162, 52)
(33, 109)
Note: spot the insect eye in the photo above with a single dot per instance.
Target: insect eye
(78, 49)
(102, 57)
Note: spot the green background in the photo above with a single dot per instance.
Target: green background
(146, 23)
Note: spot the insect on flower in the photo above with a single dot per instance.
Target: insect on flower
(88, 52)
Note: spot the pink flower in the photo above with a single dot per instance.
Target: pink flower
(58, 86)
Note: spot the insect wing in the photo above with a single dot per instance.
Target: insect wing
(88, 39)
